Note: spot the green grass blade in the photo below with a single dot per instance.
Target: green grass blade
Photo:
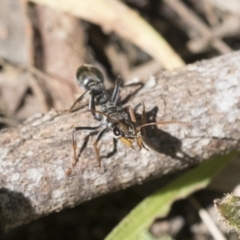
(159, 203)
(146, 235)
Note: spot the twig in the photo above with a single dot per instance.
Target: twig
(212, 227)
(8, 121)
(35, 156)
(196, 24)
(32, 81)
(108, 14)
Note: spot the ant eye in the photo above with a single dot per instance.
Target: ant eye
(116, 131)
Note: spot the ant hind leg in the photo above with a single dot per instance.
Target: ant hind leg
(96, 149)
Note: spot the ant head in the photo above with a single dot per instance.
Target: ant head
(89, 77)
(127, 132)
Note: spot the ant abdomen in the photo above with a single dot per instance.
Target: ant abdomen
(90, 78)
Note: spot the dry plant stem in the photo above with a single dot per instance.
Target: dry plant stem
(210, 224)
(33, 82)
(197, 24)
(210, 14)
(59, 36)
(109, 15)
(35, 156)
(9, 121)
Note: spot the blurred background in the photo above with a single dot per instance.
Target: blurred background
(43, 42)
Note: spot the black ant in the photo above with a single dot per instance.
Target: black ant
(121, 121)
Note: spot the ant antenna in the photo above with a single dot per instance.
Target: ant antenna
(165, 123)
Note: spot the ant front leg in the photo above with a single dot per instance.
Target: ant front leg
(133, 111)
(132, 114)
(144, 118)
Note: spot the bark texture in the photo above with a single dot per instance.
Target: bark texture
(35, 156)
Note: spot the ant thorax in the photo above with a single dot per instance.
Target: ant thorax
(114, 112)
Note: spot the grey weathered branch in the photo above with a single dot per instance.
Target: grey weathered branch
(35, 156)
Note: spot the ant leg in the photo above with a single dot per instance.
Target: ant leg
(99, 136)
(133, 118)
(74, 143)
(115, 95)
(131, 95)
(133, 111)
(110, 154)
(92, 108)
(143, 120)
(141, 104)
(77, 101)
(132, 114)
